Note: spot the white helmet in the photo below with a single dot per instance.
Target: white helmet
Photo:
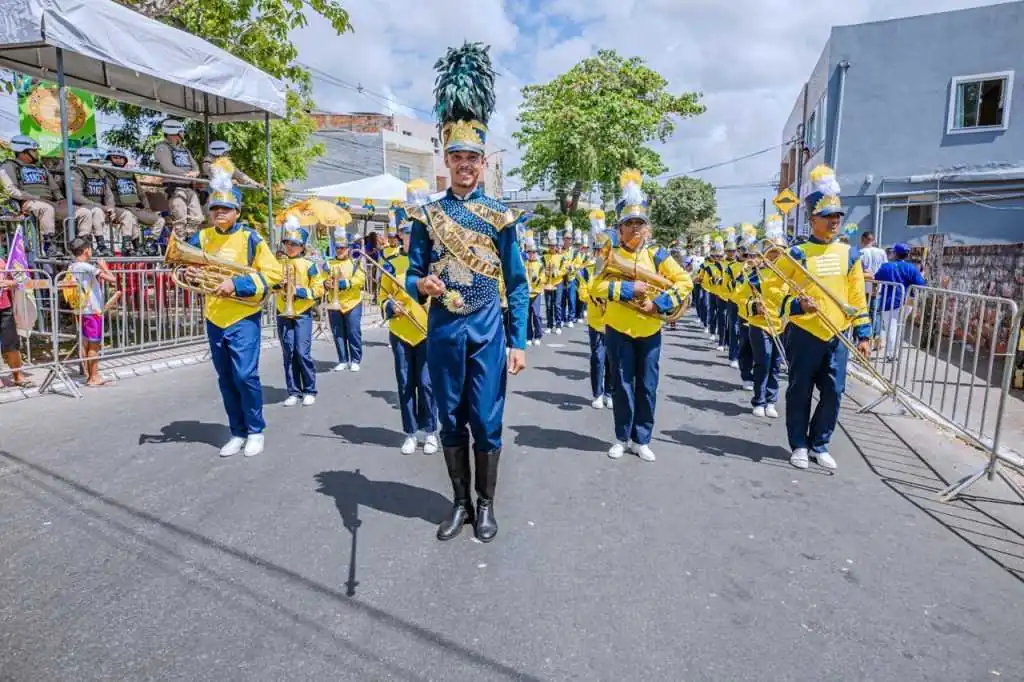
(86, 155)
(219, 148)
(23, 143)
(117, 151)
(173, 127)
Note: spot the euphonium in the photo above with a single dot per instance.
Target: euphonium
(614, 266)
(401, 299)
(197, 271)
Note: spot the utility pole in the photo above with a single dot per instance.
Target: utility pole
(764, 211)
(800, 132)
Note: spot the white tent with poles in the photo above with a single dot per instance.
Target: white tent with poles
(380, 189)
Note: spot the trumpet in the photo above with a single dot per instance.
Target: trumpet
(614, 266)
(403, 303)
(201, 273)
(288, 267)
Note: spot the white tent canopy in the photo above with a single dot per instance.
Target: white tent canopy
(113, 51)
(381, 189)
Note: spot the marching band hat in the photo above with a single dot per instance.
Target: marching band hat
(633, 203)
(293, 232)
(824, 199)
(223, 193)
(464, 97)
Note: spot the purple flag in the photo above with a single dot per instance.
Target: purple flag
(17, 258)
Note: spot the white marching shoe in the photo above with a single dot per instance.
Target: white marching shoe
(760, 411)
(430, 444)
(409, 446)
(291, 401)
(617, 450)
(340, 367)
(253, 444)
(770, 411)
(608, 401)
(558, 331)
(735, 364)
(232, 447)
(747, 386)
(571, 324)
(308, 400)
(799, 458)
(644, 452)
(354, 367)
(824, 459)
(598, 403)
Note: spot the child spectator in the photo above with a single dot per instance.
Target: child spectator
(89, 306)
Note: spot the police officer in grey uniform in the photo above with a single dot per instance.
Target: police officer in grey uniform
(132, 203)
(28, 182)
(91, 191)
(174, 158)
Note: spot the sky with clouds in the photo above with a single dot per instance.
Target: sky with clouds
(748, 57)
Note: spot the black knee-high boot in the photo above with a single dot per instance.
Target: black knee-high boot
(457, 459)
(486, 480)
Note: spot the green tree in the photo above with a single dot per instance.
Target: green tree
(587, 125)
(256, 31)
(681, 205)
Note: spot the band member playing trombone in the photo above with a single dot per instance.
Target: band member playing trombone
(462, 247)
(827, 297)
(346, 279)
(408, 337)
(301, 288)
(233, 314)
(633, 319)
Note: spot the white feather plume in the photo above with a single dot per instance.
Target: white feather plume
(291, 222)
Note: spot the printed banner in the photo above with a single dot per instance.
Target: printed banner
(39, 115)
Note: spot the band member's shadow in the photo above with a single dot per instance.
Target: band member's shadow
(374, 344)
(323, 366)
(727, 446)
(188, 432)
(529, 436)
(563, 401)
(702, 363)
(711, 384)
(580, 343)
(367, 435)
(273, 394)
(352, 489)
(720, 406)
(574, 353)
(390, 397)
(693, 347)
(566, 373)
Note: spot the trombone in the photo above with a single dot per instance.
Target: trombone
(403, 303)
(889, 389)
(763, 306)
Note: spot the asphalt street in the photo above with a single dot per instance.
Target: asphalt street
(131, 551)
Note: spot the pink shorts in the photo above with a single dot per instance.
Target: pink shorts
(92, 328)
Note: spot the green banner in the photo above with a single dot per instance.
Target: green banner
(39, 115)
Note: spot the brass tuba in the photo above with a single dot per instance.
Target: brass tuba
(401, 299)
(197, 271)
(615, 267)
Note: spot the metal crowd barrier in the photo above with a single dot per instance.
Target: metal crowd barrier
(954, 353)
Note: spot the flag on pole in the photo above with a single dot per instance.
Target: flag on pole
(17, 262)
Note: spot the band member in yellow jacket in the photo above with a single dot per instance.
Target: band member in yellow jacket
(600, 364)
(760, 297)
(345, 302)
(632, 327)
(817, 358)
(415, 394)
(295, 326)
(554, 273)
(536, 277)
(233, 315)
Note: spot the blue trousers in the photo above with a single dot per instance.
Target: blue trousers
(699, 304)
(415, 395)
(552, 305)
(713, 302)
(767, 362)
(348, 334)
(467, 364)
(296, 336)
(734, 322)
(813, 363)
(600, 366)
(723, 322)
(534, 330)
(745, 353)
(569, 301)
(634, 364)
(581, 307)
(235, 352)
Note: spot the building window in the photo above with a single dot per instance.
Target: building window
(407, 133)
(980, 102)
(404, 173)
(920, 215)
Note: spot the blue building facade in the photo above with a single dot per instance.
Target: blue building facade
(923, 120)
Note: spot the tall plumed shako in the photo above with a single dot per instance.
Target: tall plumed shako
(293, 231)
(773, 229)
(417, 193)
(464, 97)
(222, 187)
(596, 221)
(632, 203)
(823, 199)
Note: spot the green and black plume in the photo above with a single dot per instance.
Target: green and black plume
(464, 89)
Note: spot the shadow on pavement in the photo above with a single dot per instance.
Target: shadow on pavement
(367, 435)
(189, 432)
(230, 583)
(909, 475)
(695, 348)
(390, 397)
(715, 385)
(566, 373)
(323, 366)
(530, 436)
(273, 394)
(719, 406)
(574, 353)
(721, 446)
(563, 401)
(352, 489)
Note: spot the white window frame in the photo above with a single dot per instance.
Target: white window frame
(931, 200)
(954, 85)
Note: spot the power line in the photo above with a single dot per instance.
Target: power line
(731, 161)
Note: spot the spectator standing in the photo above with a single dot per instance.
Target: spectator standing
(871, 258)
(890, 300)
(90, 280)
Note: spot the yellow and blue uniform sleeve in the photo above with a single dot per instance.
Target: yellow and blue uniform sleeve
(387, 310)
(517, 288)
(419, 260)
(856, 297)
(682, 285)
(787, 265)
(268, 271)
(315, 281)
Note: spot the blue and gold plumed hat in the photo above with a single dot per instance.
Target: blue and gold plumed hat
(633, 203)
(294, 232)
(464, 97)
(823, 200)
(222, 188)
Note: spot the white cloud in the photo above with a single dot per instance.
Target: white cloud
(749, 58)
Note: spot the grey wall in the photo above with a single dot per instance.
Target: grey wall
(348, 156)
